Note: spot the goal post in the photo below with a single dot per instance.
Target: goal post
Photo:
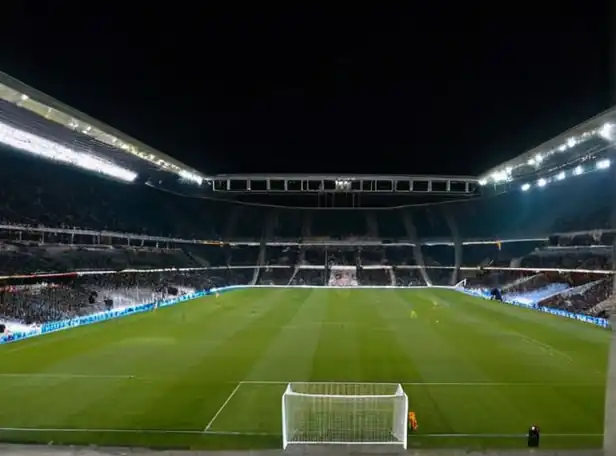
(344, 413)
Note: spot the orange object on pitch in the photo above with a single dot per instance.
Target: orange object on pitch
(412, 421)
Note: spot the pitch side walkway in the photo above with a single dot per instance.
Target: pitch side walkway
(32, 450)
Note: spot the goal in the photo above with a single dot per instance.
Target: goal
(344, 413)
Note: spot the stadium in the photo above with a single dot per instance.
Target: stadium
(144, 303)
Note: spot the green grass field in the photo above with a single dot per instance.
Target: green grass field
(210, 373)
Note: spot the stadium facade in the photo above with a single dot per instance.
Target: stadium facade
(551, 196)
(545, 203)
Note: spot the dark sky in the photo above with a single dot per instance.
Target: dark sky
(379, 91)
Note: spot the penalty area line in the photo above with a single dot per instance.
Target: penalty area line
(240, 433)
(95, 430)
(224, 404)
(284, 382)
(34, 375)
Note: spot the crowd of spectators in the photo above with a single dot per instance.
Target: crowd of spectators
(276, 276)
(409, 278)
(582, 299)
(30, 258)
(573, 257)
(76, 199)
(422, 245)
(274, 265)
(42, 303)
(312, 277)
(377, 277)
(587, 293)
(31, 301)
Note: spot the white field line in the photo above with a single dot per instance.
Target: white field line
(224, 404)
(66, 376)
(284, 382)
(502, 384)
(241, 433)
(70, 376)
(248, 433)
(546, 348)
(108, 431)
(304, 382)
(496, 436)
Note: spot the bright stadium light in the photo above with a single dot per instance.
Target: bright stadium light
(603, 164)
(185, 175)
(500, 176)
(482, 182)
(607, 131)
(578, 170)
(542, 183)
(561, 176)
(27, 142)
(525, 187)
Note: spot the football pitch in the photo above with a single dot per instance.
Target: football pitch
(210, 373)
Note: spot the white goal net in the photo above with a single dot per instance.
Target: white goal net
(344, 413)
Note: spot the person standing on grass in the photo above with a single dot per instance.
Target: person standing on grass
(412, 422)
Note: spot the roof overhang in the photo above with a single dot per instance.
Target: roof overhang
(566, 147)
(31, 99)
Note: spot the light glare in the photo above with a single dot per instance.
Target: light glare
(603, 164)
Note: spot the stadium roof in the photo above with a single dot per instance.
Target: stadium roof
(30, 99)
(342, 176)
(586, 140)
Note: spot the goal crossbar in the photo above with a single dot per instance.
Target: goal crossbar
(335, 396)
(344, 414)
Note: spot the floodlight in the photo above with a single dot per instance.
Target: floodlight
(42, 147)
(603, 164)
(542, 182)
(560, 176)
(525, 187)
(606, 131)
(578, 170)
(499, 176)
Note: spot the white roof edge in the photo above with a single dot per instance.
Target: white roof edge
(589, 124)
(56, 104)
(333, 176)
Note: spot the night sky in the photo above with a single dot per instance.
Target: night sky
(380, 91)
